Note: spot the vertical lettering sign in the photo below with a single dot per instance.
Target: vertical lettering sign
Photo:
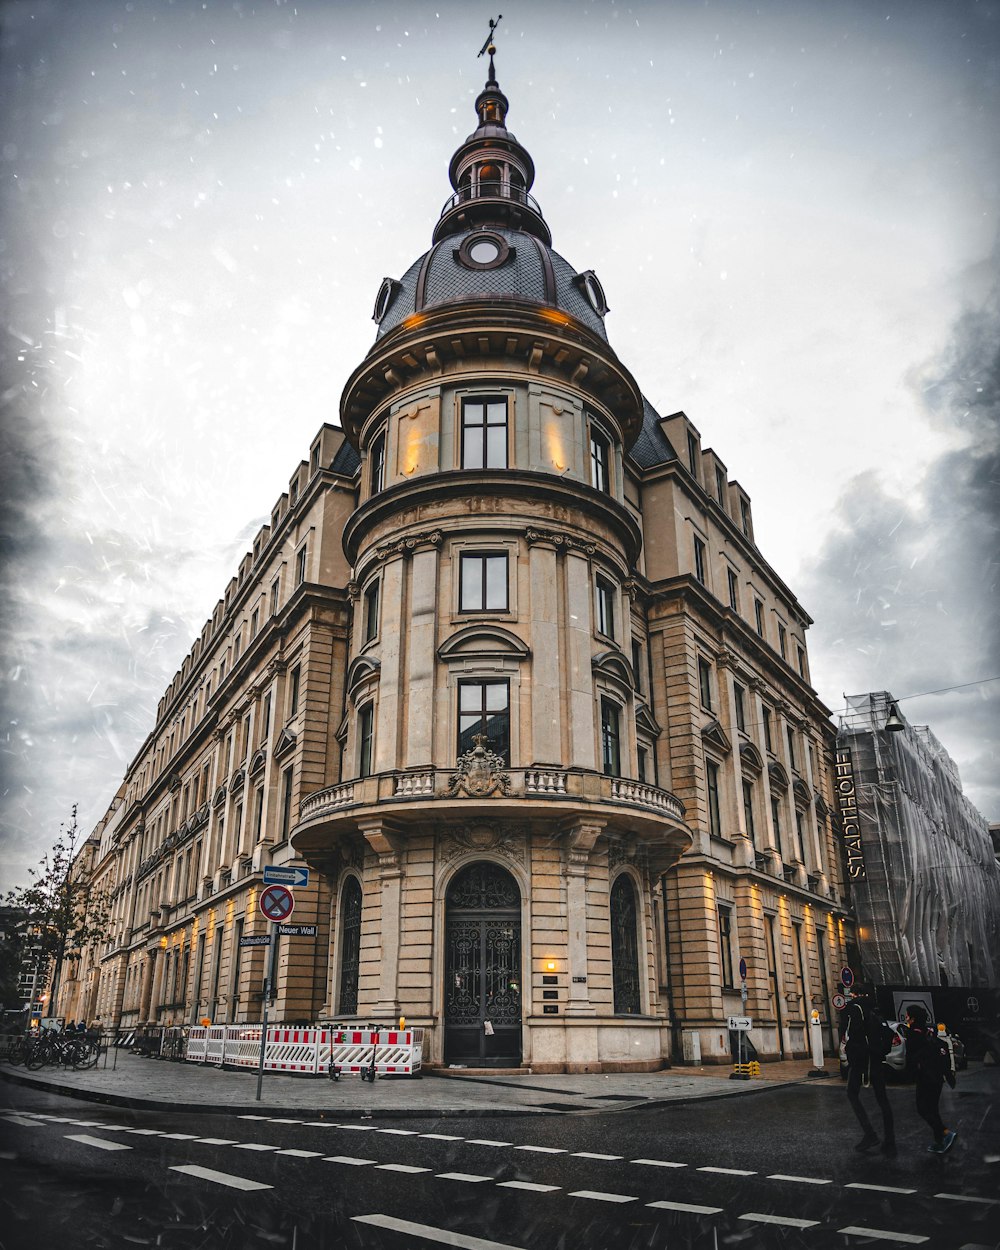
(847, 800)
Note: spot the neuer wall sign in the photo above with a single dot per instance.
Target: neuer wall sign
(848, 801)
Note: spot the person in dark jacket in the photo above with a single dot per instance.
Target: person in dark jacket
(862, 1031)
(927, 1063)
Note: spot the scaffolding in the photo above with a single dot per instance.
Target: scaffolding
(926, 883)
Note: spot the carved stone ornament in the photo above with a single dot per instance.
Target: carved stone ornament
(508, 840)
(561, 542)
(406, 546)
(479, 773)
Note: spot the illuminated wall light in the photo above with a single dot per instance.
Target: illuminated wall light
(550, 965)
(553, 441)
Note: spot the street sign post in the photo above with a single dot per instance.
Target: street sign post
(286, 876)
(847, 976)
(296, 930)
(839, 1001)
(740, 1024)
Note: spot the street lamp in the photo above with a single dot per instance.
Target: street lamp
(894, 723)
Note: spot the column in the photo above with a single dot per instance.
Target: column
(420, 659)
(387, 845)
(546, 703)
(579, 649)
(580, 838)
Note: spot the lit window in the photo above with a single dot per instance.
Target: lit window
(699, 560)
(605, 596)
(705, 684)
(484, 433)
(371, 611)
(484, 708)
(610, 739)
(600, 461)
(483, 583)
(366, 731)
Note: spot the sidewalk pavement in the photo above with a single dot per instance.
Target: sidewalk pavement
(165, 1085)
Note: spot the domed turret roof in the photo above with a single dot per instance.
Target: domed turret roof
(529, 271)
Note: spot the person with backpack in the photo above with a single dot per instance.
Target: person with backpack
(867, 1039)
(929, 1060)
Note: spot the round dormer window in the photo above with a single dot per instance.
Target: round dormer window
(593, 291)
(484, 250)
(387, 292)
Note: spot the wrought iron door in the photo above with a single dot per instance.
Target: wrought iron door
(482, 1000)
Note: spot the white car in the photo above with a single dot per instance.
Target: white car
(895, 1059)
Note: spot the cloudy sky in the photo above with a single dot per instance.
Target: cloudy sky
(793, 208)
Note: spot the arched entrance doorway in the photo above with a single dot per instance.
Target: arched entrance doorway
(482, 994)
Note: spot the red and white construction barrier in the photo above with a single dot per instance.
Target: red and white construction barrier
(310, 1052)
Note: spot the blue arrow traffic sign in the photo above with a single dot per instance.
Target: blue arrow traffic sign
(286, 876)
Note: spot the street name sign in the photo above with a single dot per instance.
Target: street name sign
(277, 902)
(286, 876)
(297, 930)
(260, 939)
(740, 1024)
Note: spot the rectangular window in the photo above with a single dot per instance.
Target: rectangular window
(484, 433)
(258, 814)
(376, 477)
(484, 709)
(637, 664)
(699, 560)
(766, 713)
(237, 642)
(758, 611)
(776, 824)
(799, 840)
(734, 593)
(371, 611)
(642, 756)
(748, 810)
(265, 719)
(366, 732)
(741, 712)
(600, 461)
(783, 642)
(705, 683)
(800, 969)
(801, 655)
(254, 618)
(294, 678)
(300, 566)
(483, 583)
(314, 459)
(605, 607)
(274, 597)
(287, 778)
(726, 947)
(720, 485)
(712, 784)
(692, 454)
(790, 735)
(610, 739)
(745, 517)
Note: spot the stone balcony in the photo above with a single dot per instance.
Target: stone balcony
(412, 799)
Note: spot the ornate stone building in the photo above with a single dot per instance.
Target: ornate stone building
(508, 672)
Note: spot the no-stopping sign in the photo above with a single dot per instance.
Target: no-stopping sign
(276, 902)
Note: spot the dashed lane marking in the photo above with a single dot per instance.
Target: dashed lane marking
(471, 1177)
(882, 1234)
(687, 1207)
(399, 1167)
(399, 1132)
(99, 1142)
(485, 1141)
(543, 1150)
(319, 1124)
(272, 1120)
(349, 1159)
(220, 1178)
(253, 1117)
(179, 1136)
(253, 1145)
(802, 1180)
(585, 1154)
(758, 1217)
(443, 1236)
(357, 1128)
(597, 1196)
(302, 1154)
(216, 1141)
(728, 1171)
(659, 1163)
(145, 1132)
(529, 1186)
(969, 1198)
(440, 1137)
(879, 1189)
(21, 1122)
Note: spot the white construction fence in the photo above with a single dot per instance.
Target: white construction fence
(309, 1052)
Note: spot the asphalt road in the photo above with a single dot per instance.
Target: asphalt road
(773, 1170)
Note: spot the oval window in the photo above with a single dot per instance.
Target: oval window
(386, 294)
(484, 251)
(593, 291)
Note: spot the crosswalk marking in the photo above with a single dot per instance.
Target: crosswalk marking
(99, 1142)
(598, 1196)
(786, 1220)
(443, 1236)
(220, 1178)
(687, 1207)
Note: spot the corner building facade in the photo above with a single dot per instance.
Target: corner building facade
(509, 674)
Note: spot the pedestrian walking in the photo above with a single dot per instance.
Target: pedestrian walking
(929, 1062)
(866, 1043)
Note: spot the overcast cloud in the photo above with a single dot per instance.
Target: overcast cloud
(792, 207)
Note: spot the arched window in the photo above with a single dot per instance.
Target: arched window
(350, 946)
(625, 948)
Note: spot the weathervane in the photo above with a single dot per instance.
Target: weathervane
(490, 47)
